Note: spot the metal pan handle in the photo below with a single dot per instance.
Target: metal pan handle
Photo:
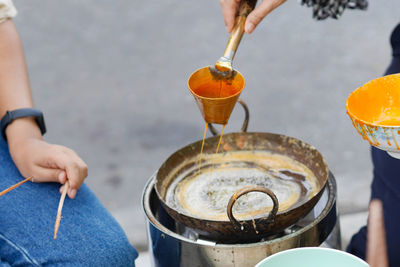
(248, 189)
(245, 122)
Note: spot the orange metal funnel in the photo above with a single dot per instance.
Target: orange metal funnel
(215, 97)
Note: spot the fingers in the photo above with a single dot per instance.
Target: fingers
(229, 11)
(48, 175)
(75, 169)
(257, 15)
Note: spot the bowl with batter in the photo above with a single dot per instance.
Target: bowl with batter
(374, 110)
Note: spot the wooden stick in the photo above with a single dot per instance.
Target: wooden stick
(15, 186)
(376, 237)
(60, 206)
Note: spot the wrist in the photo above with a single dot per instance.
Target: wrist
(22, 129)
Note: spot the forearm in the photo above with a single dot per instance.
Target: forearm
(14, 83)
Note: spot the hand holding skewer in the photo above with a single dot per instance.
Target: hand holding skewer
(47, 162)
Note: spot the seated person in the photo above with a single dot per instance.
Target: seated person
(88, 235)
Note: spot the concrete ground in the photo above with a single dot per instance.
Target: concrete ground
(111, 77)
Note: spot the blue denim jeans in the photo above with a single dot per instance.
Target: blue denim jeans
(88, 234)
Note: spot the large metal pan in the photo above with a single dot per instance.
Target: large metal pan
(229, 229)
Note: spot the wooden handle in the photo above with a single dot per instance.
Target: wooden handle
(246, 7)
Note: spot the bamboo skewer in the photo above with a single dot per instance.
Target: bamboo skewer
(15, 186)
(60, 206)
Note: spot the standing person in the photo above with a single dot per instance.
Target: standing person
(386, 181)
(89, 235)
(385, 184)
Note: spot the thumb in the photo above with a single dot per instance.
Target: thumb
(49, 175)
(258, 14)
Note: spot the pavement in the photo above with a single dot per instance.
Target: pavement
(111, 78)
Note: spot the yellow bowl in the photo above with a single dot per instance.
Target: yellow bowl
(374, 109)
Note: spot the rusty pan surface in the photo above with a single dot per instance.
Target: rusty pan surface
(260, 162)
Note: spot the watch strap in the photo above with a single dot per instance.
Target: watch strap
(10, 116)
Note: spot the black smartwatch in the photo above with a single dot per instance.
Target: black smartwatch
(21, 113)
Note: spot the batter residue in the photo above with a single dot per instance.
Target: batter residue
(205, 194)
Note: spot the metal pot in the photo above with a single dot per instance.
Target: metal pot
(231, 230)
(173, 244)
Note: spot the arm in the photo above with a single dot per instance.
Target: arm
(32, 156)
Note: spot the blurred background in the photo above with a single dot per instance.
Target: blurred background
(111, 78)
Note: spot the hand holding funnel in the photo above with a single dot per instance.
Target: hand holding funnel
(217, 89)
